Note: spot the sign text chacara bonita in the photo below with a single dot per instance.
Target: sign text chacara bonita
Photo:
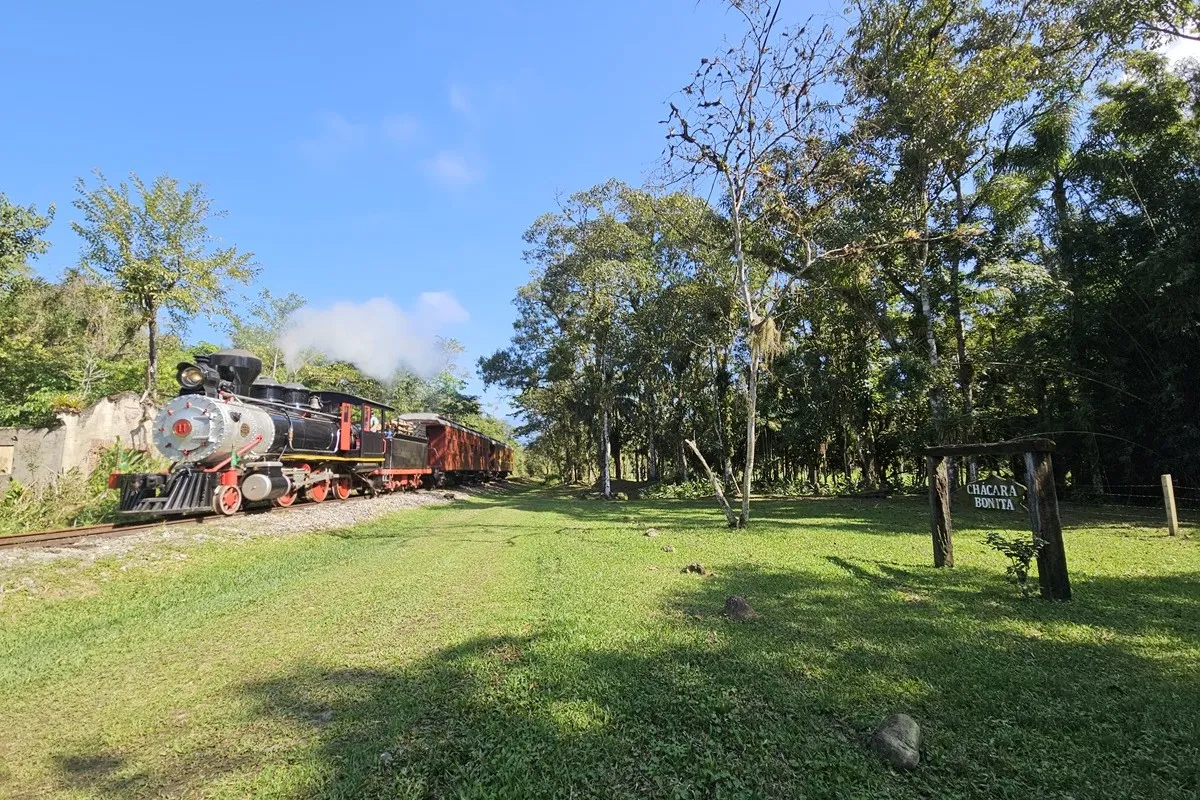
(995, 493)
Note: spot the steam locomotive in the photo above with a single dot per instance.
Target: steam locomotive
(237, 438)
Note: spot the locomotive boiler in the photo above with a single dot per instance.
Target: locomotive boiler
(235, 438)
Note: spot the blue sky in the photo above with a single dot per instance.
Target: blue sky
(360, 150)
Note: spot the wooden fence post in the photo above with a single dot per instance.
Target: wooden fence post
(939, 508)
(1043, 519)
(1168, 487)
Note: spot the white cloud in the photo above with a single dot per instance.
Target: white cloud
(1179, 49)
(338, 139)
(452, 169)
(377, 336)
(401, 128)
(459, 100)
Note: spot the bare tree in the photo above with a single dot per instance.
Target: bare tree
(768, 100)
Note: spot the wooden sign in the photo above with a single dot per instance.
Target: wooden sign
(995, 493)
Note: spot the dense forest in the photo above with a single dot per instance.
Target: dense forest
(943, 221)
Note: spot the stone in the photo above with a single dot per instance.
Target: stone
(449, 496)
(668, 548)
(897, 741)
(386, 759)
(651, 532)
(738, 610)
(696, 569)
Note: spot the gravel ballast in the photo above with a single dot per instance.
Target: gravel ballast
(278, 523)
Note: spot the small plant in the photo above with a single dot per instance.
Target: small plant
(69, 402)
(1020, 552)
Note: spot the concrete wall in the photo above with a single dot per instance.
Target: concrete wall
(37, 455)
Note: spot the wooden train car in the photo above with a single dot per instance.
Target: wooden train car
(459, 454)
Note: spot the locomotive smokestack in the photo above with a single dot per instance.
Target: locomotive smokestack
(239, 367)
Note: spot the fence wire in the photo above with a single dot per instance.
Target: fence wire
(1127, 504)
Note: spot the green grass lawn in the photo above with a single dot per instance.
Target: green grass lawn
(533, 645)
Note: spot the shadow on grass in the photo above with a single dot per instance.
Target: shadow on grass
(1016, 698)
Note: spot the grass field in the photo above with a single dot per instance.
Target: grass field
(528, 644)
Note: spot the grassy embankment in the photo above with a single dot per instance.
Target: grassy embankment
(530, 644)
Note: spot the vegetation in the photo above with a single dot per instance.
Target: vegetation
(1020, 552)
(535, 645)
(72, 498)
(147, 253)
(951, 221)
(155, 249)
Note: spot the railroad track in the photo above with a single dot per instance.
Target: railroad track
(71, 535)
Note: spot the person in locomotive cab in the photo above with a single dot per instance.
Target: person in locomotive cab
(375, 424)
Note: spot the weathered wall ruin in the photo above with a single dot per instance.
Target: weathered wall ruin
(37, 455)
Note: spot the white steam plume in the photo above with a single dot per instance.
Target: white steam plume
(377, 336)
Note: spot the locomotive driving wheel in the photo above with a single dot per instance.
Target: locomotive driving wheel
(317, 492)
(342, 487)
(227, 500)
(285, 500)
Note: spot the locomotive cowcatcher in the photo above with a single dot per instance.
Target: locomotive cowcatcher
(237, 438)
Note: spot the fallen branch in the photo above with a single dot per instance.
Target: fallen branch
(729, 515)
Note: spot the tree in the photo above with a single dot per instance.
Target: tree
(22, 232)
(154, 246)
(261, 329)
(767, 93)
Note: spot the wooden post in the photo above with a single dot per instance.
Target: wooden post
(1043, 519)
(939, 509)
(1168, 487)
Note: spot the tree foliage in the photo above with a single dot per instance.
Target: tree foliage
(153, 245)
(957, 221)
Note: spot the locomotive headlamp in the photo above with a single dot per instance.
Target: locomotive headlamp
(190, 376)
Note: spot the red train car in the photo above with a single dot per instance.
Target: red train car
(460, 454)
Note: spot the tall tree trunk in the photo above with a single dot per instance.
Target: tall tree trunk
(752, 323)
(936, 408)
(921, 257)
(751, 412)
(605, 455)
(615, 446)
(152, 360)
(1090, 469)
(651, 449)
(966, 377)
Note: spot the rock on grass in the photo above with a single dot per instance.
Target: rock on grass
(651, 532)
(738, 610)
(897, 741)
(697, 569)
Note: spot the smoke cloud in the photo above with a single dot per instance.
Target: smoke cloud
(377, 336)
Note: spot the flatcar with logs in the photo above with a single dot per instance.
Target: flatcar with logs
(236, 438)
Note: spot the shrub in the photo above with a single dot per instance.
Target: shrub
(67, 401)
(1020, 552)
(71, 498)
(678, 491)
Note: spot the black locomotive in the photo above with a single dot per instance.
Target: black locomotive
(235, 437)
